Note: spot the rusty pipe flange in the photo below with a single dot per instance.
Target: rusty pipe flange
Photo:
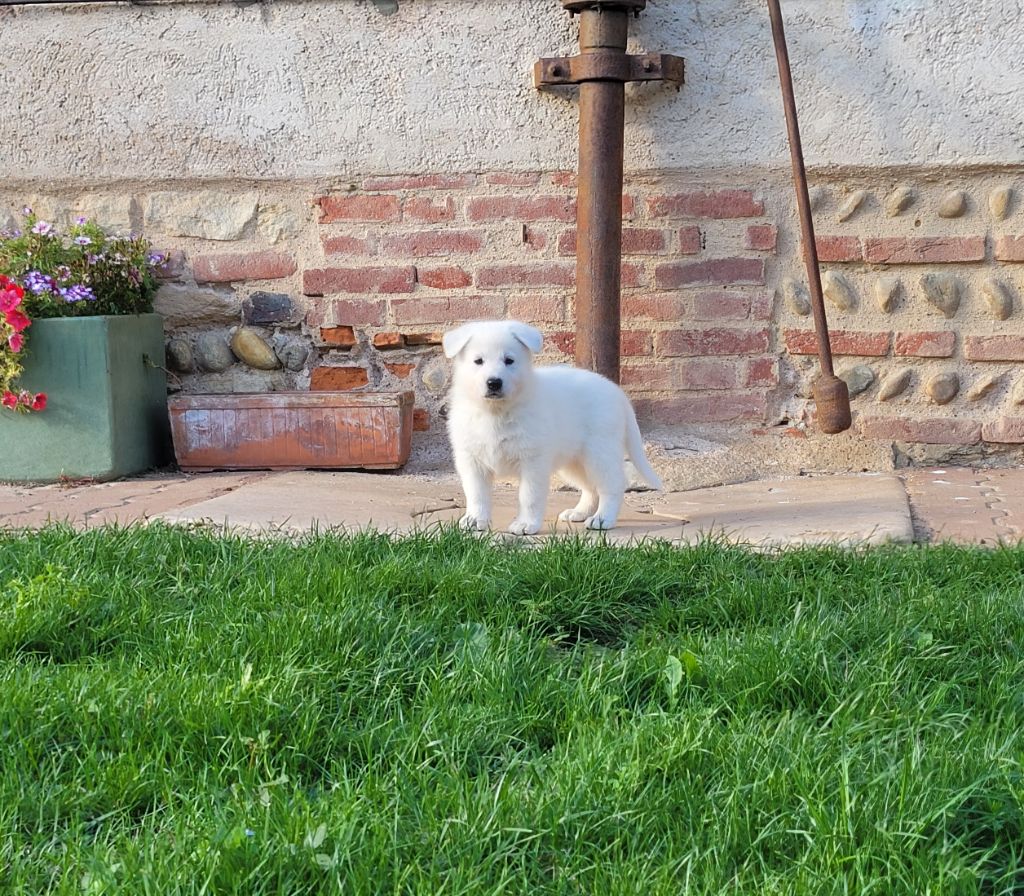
(574, 6)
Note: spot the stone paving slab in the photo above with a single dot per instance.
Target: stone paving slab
(844, 510)
(984, 507)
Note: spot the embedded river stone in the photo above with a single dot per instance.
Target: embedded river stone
(942, 291)
(252, 349)
(849, 208)
(998, 298)
(953, 204)
(943, 387)
(984, 386)
(293, 354)
(796, 298)
(898, 201)
(212, 352)
(999, 202)
(179, 355)
(858, 378)
(836, 288)
(894, 384)
(886, 291)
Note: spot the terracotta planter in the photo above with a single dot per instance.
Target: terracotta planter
(106, 412)
(292, 430)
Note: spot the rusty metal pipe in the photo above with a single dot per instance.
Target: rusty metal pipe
(831, 394)
(599, 199)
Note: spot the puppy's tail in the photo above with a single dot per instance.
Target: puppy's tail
(635, 450)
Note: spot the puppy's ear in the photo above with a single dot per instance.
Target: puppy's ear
(454, 341)
(532, 338)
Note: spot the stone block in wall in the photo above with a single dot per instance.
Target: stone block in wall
(262, 308)
(208, 214)
(194, 306)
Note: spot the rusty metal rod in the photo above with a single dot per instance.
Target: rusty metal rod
(599, 199)
(830, 393)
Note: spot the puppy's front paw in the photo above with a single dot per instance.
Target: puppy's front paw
(599, 523)
(524, 527)
(474, 523)
(572, 516)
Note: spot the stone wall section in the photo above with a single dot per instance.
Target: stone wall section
(350, 285)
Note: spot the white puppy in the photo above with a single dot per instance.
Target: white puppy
(507, 418)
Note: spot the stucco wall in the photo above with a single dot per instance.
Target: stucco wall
(337, 89)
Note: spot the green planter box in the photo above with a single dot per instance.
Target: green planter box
(106, 413)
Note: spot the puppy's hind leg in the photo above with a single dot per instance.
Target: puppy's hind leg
(606, 471)
(587, 503)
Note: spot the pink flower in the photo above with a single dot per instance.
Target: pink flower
(9, 300)
(16, 320)
(10, 400)
(16, 341)
(39, 402)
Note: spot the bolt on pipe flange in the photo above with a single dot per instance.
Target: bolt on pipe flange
(574, 6)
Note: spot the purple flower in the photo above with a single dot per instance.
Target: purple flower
(77, 293)
(156, 259)
(42, 227)
(80, 220)
(82, 240)
(38, 283)
(26, 211)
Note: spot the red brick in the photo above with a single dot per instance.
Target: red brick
(420, 420)
(631, 275)
(717, 204)
(565, 342)
(691, 240)
(994, 348)
(359, 207)
(547, 309)
(400, 370)
(657, 306)
(839, 248)
(843, 342)
(1009, 248)
(357, 312)
(422, 243)
(563, 179)
(327, 281)
(761, 237)
(697, 407)
(510, 179)
(924, 249)
(543, 274)
(506, 208)
(761, 305)
(633, 343)
(388, 340)
(420, 339)
(707, 373)
(651, 377)
(936, 431)
(337, 379)
(761, 372)
(1005, 430)
(719, 341)
(345, 244)
(450, 277)
(419, 208)
(628, 206)
(721, 306)
(673, 275)
(342, 337)
(635, 241)
(455, 309)
(534, 238)
(420, 182)
(234, 266)
(939, 344)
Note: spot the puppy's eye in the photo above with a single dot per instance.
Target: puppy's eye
(509, 362)
(479, 361)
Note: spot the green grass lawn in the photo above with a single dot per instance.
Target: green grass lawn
(187, 713)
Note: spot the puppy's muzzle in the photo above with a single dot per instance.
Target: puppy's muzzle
(494, 387)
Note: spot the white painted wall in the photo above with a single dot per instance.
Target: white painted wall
(336, 89)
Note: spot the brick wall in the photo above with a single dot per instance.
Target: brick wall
(353, 286)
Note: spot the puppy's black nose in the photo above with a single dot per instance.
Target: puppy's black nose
(494, 384)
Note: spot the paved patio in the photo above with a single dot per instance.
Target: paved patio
(925, 505)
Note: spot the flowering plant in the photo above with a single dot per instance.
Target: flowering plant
(44, 273)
